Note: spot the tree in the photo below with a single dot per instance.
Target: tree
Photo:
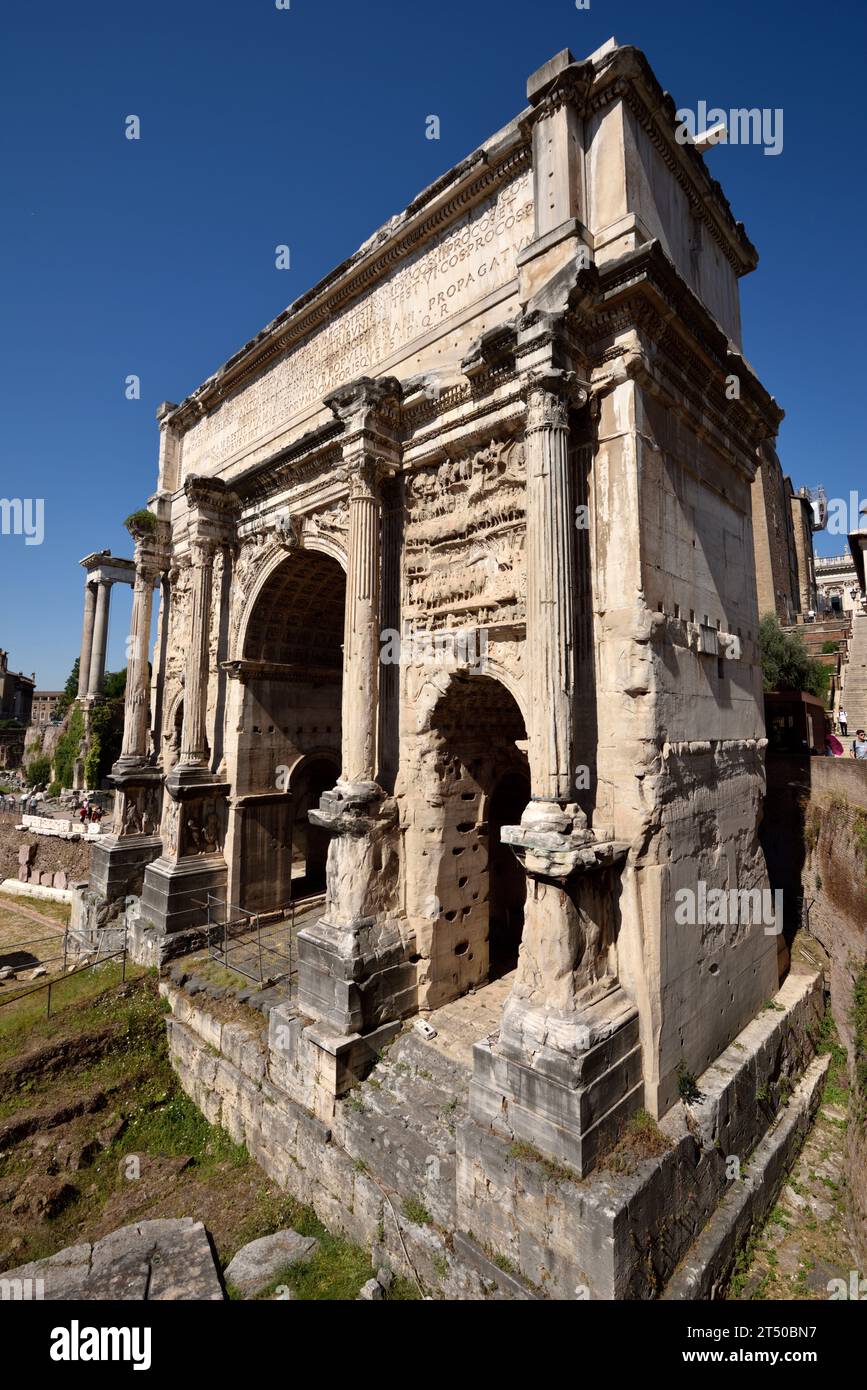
(70, 690)
(786, 663)
(114, 685)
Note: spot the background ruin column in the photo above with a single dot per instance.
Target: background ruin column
(86, 638)
(96, 674)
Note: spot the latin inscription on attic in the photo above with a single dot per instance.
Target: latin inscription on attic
(477, 256)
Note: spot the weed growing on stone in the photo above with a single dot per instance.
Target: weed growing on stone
(415, 1211)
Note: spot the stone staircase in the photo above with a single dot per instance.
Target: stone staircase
(855, 688)
(402, 1119)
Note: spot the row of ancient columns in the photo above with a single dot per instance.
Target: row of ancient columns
(94, 638)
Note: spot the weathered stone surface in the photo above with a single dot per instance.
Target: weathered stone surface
(254, 1266)
(371, 1292)
(475, 442)
(152, 1260)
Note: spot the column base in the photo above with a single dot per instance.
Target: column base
(175, 891)
(118, 863)
(355, 970)
(355, 978)
(566, 1086)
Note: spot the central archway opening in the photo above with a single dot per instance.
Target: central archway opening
(289, 732)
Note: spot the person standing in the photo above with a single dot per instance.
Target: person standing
(843, 718)
(859, 745)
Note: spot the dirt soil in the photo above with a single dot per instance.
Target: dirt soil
(31, 934)
(95, 1134)
(51, 854)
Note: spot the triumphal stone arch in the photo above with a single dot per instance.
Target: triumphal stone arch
(458, 625)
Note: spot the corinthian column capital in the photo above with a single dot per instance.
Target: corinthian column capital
(364, 475)
(550, 395)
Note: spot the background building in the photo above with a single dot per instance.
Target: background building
(44, 706)
(16, 692)
(783, 525)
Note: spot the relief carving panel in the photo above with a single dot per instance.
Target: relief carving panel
(465, 536)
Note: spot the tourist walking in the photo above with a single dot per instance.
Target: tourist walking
(859, 745)
(843, 718)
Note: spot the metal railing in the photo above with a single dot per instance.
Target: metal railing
(55, 982)
(257, 945)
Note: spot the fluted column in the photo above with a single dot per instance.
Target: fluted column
(361, 630)
(551, 583)
(96, 673)
(193, 737)
(86, 638)
(135, 714)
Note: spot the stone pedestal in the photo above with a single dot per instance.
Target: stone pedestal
(569, 1101)
(354, 971)
(175, 897)
(191, 869)
(118, 861)
(565, 1073)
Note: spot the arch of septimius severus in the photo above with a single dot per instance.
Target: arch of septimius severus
(457, 617)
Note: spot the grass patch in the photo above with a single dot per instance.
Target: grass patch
(557, 1172)
(415, 1211)
(641, 1139)
(858, 1019)
(21, 1015)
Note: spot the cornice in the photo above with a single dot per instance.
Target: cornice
(647, 273)
(625, 74)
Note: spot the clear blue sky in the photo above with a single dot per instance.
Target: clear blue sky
(307, 127)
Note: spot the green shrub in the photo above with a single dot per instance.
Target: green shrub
(38, 773)
(106, 732)
(66, 751)
(141, 522)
